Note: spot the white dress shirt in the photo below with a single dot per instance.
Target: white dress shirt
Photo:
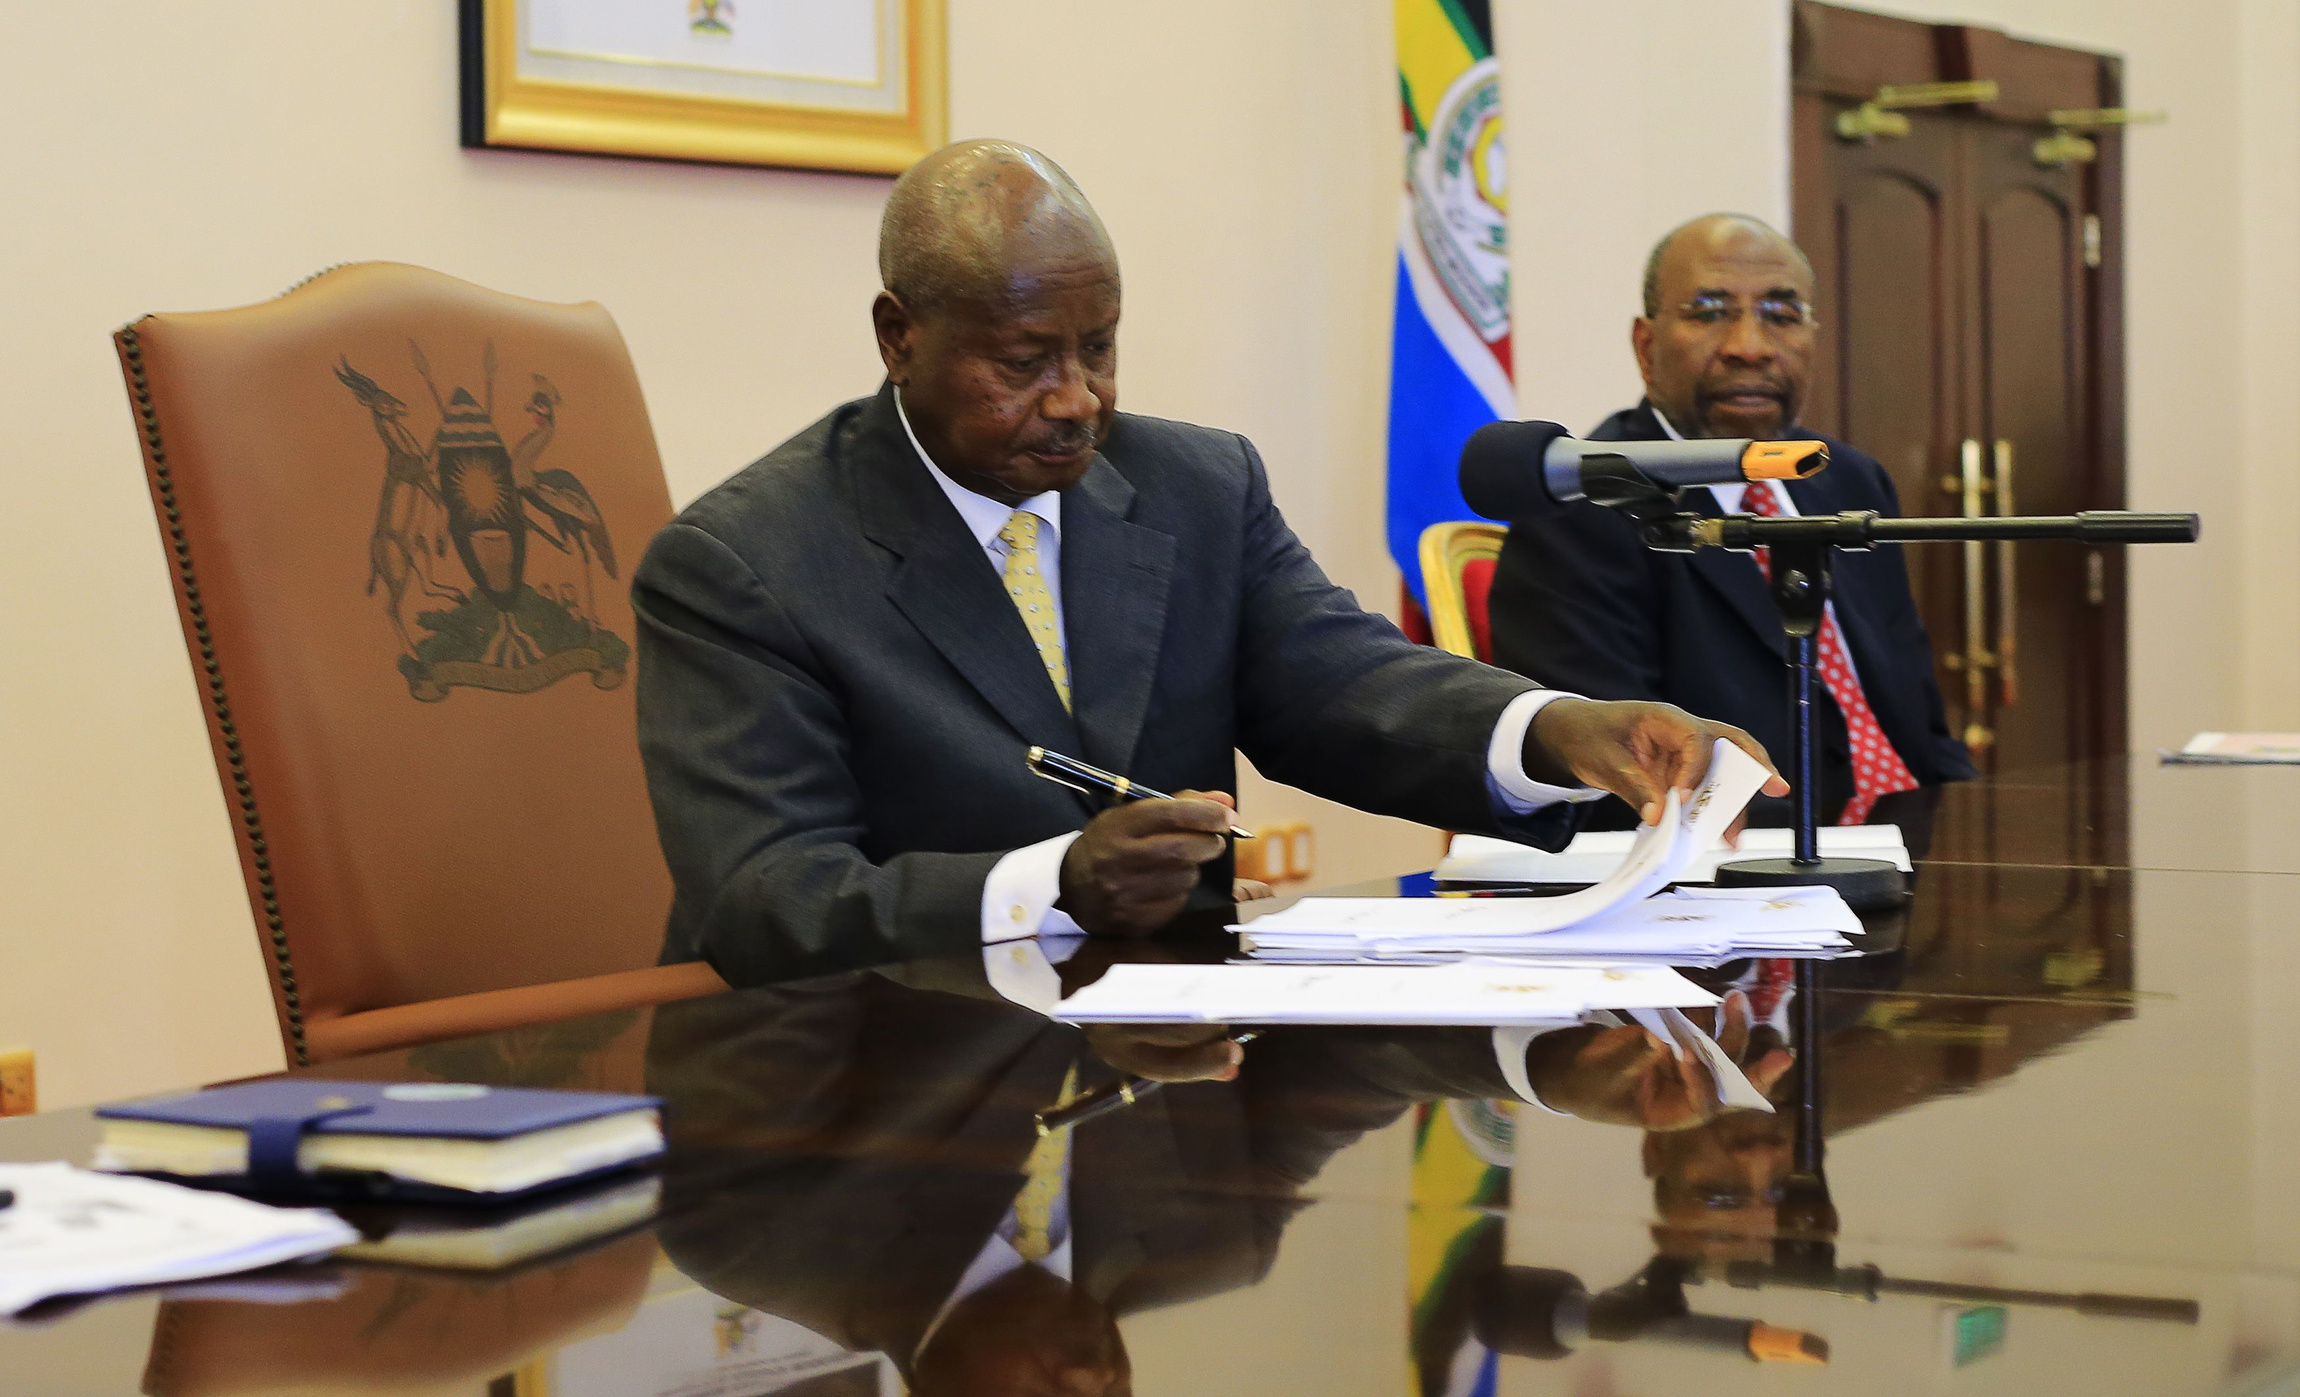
(1018, 898)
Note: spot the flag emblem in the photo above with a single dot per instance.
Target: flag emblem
(1450, 347)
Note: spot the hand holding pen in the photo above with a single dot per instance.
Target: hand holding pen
(1112, 1042)
(1133, 867)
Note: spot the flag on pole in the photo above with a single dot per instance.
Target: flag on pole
(1449, 363)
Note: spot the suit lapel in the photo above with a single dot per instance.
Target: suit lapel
(1733, 576)
(1115, 579)
(946, 586)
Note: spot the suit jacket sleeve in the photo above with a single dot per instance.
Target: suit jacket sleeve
(760, 817)
(1336, 700)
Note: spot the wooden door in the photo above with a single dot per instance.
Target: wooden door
(1969, 301)
(2029, 369)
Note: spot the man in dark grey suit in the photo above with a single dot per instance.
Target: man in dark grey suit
(846, 649)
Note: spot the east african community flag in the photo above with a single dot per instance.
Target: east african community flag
(1449, 365)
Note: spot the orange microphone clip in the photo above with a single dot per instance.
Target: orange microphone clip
(1770, 1345)
(1784, 460)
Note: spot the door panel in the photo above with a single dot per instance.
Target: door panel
(2033, 401)
(1890, 313)
(1957, 304)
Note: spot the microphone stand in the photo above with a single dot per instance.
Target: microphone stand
(1803, 549)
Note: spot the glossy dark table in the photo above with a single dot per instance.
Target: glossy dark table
(2065, 1111)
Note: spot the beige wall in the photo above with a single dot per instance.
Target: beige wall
(174, 157)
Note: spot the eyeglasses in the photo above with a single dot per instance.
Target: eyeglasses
(1779, 313)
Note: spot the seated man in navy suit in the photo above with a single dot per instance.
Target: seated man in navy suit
(1579, 604)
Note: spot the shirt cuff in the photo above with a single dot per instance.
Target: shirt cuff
(1505, 778)
(1512, 1041)
(1018, 897)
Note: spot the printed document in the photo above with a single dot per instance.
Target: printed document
(73, 1232)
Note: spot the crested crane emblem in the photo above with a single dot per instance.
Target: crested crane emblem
(483, 561)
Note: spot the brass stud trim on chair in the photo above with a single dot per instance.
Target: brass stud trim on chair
(315, 276)
(219, 701)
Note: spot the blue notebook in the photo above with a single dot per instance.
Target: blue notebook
(338, 1140)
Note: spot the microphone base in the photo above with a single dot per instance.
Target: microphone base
(1867, 885)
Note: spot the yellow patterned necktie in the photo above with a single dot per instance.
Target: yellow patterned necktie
(1026, 584)
(1042, 1184)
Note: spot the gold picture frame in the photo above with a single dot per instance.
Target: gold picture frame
(607, 77)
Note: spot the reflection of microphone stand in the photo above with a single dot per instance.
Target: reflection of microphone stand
(1803, 550)
(1805, 1222)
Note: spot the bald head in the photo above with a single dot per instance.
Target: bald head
(999, 322)
(1710, 229)
(964, 222)
(1726, 340)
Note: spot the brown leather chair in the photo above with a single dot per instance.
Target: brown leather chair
(397, 1330)
(400, 511)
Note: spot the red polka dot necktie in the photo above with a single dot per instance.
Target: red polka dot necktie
(1877, 769)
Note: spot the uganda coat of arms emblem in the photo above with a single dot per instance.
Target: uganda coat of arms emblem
(458, 526)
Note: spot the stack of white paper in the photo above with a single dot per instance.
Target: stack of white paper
(2237, 749)
(1477, 858)
(1690, 926)
(1617, 918)
(71, 1232)
(1464, 993)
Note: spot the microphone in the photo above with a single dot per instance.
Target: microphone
(1509, 468)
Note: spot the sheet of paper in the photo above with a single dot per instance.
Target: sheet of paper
(1687, 926)
(1657, 857)
(1734, 1089)
(2238, 749)
(1462, 993)
(1477, 858)
(73, 1232)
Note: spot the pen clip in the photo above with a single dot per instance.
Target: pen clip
(1035, 759)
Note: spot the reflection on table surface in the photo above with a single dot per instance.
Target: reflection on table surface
(2127, 812)
(2059, 1119)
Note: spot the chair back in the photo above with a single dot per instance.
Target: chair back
(1457, 560)
(386, 1329)
(400, 511)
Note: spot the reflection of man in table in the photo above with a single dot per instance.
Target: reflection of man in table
(861, 1156)
(846, 650)
(1719, 1188)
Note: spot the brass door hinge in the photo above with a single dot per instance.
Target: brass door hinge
(1881, 114)
(2064, 147)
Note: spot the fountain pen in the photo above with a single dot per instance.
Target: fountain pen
(1103, 1100)
(1078, 776)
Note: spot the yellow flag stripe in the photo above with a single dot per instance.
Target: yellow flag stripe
(1431, 54)
(1447, 1179)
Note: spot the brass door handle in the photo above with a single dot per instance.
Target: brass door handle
(2008, 583)
(1977, 659)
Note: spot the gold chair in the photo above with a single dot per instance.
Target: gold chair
(399, 512)
(1457, 575)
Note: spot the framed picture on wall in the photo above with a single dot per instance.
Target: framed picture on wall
(853, 85)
